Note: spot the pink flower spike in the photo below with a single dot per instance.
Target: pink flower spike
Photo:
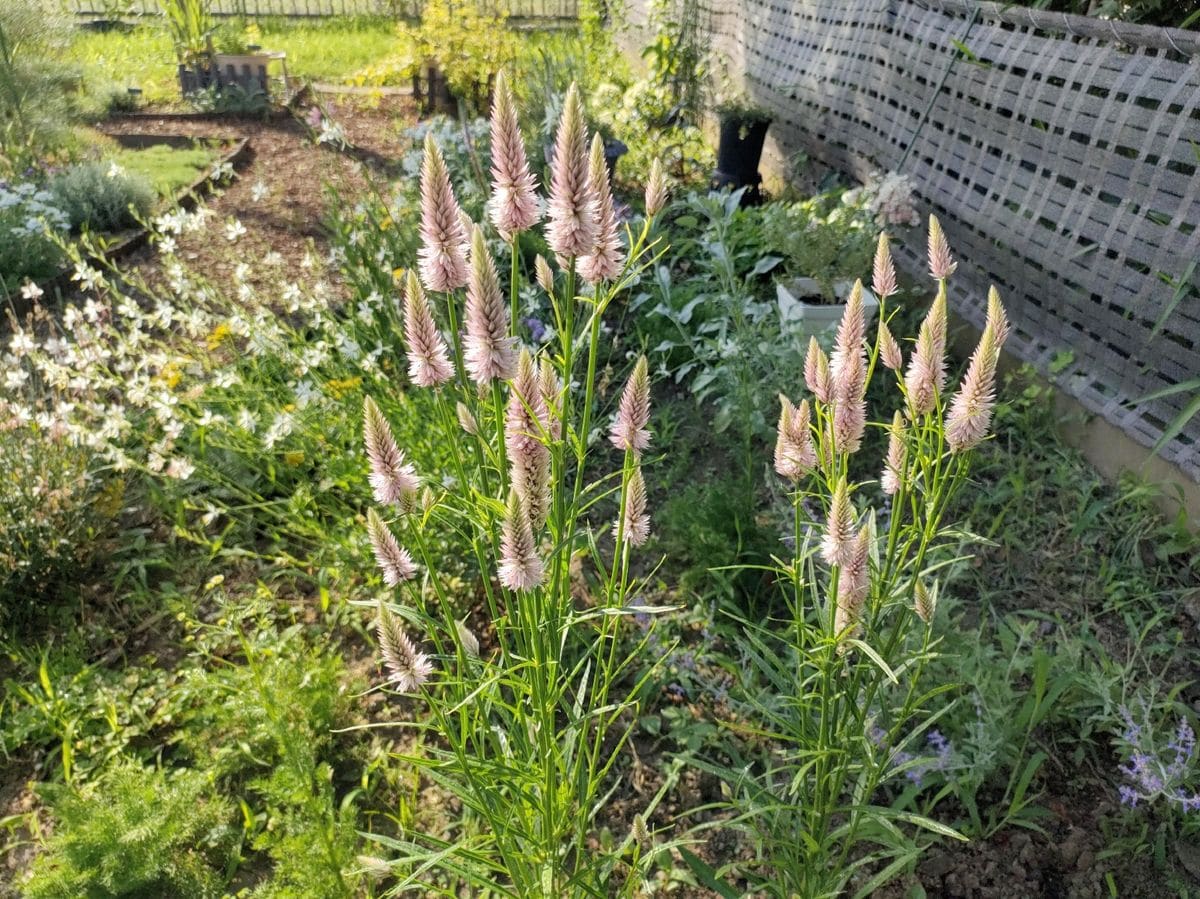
(545, 277)
(889, 349)
(514, 205)
(428, 357)
(606, 259)
(409, 667)
(836, 545)
(393, 559)
(926, 375)
(941, 263)
(520, 567)
(657, 191)
(572, 225)
(635, 527)
(443, 254)
(392, 478)
(489, 353)
(794, 451)
(970, 413)
(892, 478)
(883, 279)
(529, 458)
(854, 584)
(816, 372)
(550, 388)
(848, 369)
(629, 429)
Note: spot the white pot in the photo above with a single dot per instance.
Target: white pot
(803, 319)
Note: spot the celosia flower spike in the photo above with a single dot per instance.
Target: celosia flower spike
(837, 543)
(970, 412)
(941, 263)
(634, 528)
(545, 277)
(656, 189)
(926, 375)
(409, 667)
(550, 387)
(520, 567)
(571, 229)
(488, 351)
(794, 451)
(465, 419)
(848, 369)
(997, 319)
(443, 254)
(883, 280)
(605, 260)
(889, 348)
(529, 458)
(924, 602)
(892, 478)
(816, 372)
(854, 583)
(393, 559)
(514, 205)
(428, 357)
(392, 478)
(629, 426)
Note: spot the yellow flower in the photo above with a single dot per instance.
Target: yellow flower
(386, 223)
(398, 274)
(218, 335)
(170, 375)
(338, 387)
(295, 457)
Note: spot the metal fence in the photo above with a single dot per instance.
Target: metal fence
(1060, 153)
(404, 9)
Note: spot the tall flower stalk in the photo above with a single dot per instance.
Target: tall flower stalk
(860, 588)
(530, 711)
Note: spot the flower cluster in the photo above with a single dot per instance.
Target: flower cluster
(889, 198)
(1152, 772)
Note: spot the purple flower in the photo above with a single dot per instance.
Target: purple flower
(537, 330)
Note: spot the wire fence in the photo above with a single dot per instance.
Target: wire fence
(400, 9)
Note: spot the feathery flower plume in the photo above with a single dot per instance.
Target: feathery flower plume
(545, 276)
(997, 319)
(883, 279)
(393, 559)
(605, 260)
(488, 351)
(794, 452)
(428, 357)
(629, 426)
(924, 602)
(848, 370)
(465, 419)
(529, 458)
(892, 478)
(550, 386)
(656, 189)
(816, 372)
(926, 375)
(443, 254)
(837, 543)
(970, 412)
(520, 567)
(889, 349)
(393, 479)
(854, 583)
(514, 205)
(470, 643)
(635, 527)
(409, 667)
(941, 263)
(571, 229)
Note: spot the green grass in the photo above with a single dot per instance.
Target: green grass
(169, 169)
(329, 50)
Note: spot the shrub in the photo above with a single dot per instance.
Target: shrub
(135, 832)
(53, 506)
(101, 196)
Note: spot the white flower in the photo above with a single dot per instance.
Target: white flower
(180, 469)
(222, 171)
(234, 230)
(88, 277)
(114, 170)
(259, 192)
(31, 291)
(21, 343)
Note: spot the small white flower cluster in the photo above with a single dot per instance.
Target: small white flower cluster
(889, 198)
(29, 210)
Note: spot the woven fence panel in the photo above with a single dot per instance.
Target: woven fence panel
(405, 9)
(1060, 153)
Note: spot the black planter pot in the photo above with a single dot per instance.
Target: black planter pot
(738, 155)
